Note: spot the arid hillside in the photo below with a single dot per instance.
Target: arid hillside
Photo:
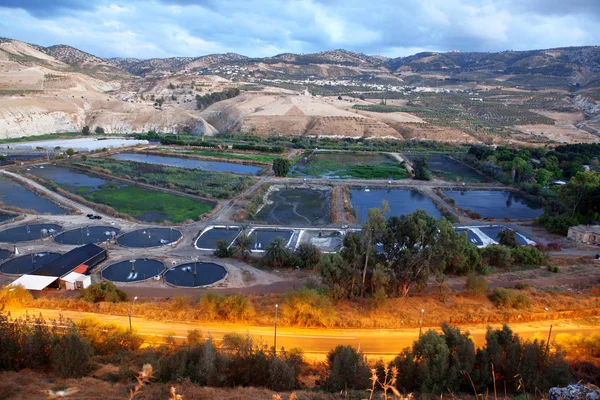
(451, 97)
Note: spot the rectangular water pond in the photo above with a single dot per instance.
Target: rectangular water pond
(297, 206)
(262, 237)
(15, 195)
(446, 167)
(400, 201)
(326, 240)
(142, 204)
(190, 163)
(208, 240)
(350, 165)
(497, 204)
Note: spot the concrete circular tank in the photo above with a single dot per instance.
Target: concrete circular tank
(133, 270)
(195, 274)
(29, 232)
(149, 237)
(28, 263)
(4, 254)
(87, 234)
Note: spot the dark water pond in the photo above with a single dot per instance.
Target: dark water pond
(28, 263)
(5, 217)
(133, 270)
(87, 234)
(493, 231)
(149, 237)
(449, 168)
(73, 181)
(190, 163)
(209, 239)
(496, 204)
(195, 274)
(471, 236)
(25, 233)
(15, 195)
(262, 237)
(4, 254)
(297, 206)
(400, 201)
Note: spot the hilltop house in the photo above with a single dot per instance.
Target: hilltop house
(589, 234)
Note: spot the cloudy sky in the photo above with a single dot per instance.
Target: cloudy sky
(166, 28)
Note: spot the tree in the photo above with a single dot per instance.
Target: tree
(86, 130)
(338, 275)
(347, 369)
(276, 254)
(543, 176)
(308, 254)
(373, 230)
(507, 238)
(421, 169)
(242, 245)
(99, 130)
(281, 166)
(581, 196)
(70, 152)
(353, 255)
(223, 250)
(410, 249)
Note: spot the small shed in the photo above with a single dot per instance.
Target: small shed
(75, 280)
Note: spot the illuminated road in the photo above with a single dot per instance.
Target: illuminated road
(315, 341)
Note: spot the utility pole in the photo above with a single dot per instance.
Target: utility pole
(131, 312)
(421, 323)
(275, 337)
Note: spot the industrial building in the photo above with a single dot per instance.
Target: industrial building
(69, 271)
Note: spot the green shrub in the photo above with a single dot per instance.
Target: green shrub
(346, 369)
(497, 256)
(222, 250)
(308, 307)
(103, 291)
(553, 268)
(527, 255)
(507, 298)
(308, 255)
(476, 285)
(71, 355)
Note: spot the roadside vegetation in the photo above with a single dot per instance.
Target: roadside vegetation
(436, 363)
(201, 183)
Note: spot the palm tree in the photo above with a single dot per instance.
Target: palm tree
(276, 254)
(242, 245)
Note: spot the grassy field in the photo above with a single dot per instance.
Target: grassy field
(359, 166)
(201, 183)
(230, 156)
(135, 201)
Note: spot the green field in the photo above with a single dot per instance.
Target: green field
(231, 156)
(220, 185)
(127, 200)
(350, 165)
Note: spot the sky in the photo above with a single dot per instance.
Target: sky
(259, 28)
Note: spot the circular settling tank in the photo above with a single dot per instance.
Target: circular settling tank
(195, 274)
(4, 254)
(26, 233)
(149, 237)
(88, 234)
(28, 263)
(133, 270)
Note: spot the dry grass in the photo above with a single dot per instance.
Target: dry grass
(457, 309)
(30, 385)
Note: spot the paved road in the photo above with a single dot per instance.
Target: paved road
(313, 341)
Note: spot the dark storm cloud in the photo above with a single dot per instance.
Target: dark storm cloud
(161, 28)
(48, 8)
